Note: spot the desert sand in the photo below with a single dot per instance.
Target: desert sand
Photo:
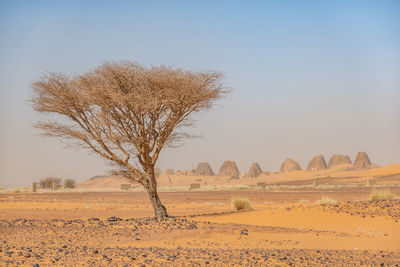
(323, 217)
(285, 227)
(343, 175)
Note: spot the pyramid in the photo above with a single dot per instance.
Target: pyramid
(204, 169)
(254, 170)
(290, 165)
(362, 160)
(337, 160)
(317, 163)
(229, 168)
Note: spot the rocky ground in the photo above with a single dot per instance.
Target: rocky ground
(96, 229)
(131, 256)
(118, 242)
(385, 208)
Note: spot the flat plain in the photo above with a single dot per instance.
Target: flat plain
(284, 227)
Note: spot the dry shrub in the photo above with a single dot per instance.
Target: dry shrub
(241, 204)
(17, 190)
(69, 183)
(326, 200)
(384, 194)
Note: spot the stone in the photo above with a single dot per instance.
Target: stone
(362, 160)
(317, 163)
(204, 169)
(244, 232)
(289, 165)
(254, 170)
(114, 219)
(337, 160)
(229, 168)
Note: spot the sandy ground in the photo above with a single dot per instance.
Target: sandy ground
(341, 175)
(284, 228)
(344, 175)
(85, 205)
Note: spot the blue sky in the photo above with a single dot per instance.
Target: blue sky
(309, 77)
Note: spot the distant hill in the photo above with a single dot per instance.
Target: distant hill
(103, 182)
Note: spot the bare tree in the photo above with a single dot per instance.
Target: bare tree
(126, 113)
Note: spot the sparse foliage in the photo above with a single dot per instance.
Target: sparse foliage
(384, 194)
(241, 204)
(69, 183)
(126, 113)
(20, 190)
(325, 201)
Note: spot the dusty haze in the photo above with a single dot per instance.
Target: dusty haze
(313, 79)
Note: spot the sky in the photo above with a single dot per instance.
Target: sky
(308, 77)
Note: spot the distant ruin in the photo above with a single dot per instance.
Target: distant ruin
(289, 165)
(126, 187)
(230, 169)
(317, 163)
(50, 183)
(362, 160)
(184, 172)
(169, 172)
(254, 170)
(337, 160)
(204, 169)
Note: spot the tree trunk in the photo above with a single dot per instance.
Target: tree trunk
(160, 212)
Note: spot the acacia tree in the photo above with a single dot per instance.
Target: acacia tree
(126, 113)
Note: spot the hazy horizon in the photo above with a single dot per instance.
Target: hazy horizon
(308, 79)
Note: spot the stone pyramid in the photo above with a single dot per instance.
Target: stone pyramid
(204, 169)
(337, 160)
(317, 163)
(229, 168)
(362, 160)
(254, 170)
(290, 165)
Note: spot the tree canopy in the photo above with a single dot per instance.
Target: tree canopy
(125, 112)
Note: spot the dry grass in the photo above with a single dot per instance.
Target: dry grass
(384, 194)
(326, 200)
(241, 204)
(20, 190)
